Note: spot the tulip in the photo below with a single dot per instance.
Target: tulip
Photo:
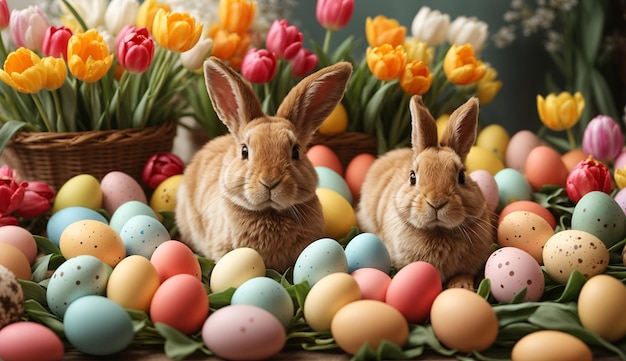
(22, 71)
(225, 43)
(416, 79)
(470, 30)
(603, 138)
(283, 39)
(88, 57)
(91, 11)
(334, 14)
(147, 11)
(236, 15)
(303, 63)
(56, 72)
(418, 50)
(37, 198)
(5, 171)
(5, 14)
(120, 13)
(587, 176)
(55, 41)
(240, 52)
(560, 112)
(159, 167)
(487, 87)
(175, 32)
(11, 195)
(382, 30)
(135, 50)
(193, 59)
(461, 67)
(27, 27)
(259, 66)
(386, 62)
(620, 177)
(8, 221)
(430, 26)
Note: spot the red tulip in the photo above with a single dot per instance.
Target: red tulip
(603, 138)
(587, 176)
(283, 39)
(303, 63)
(135, 49)
(160, 167)
(55, 41)
(259, 65)
(37, 198)
(334, 14)
(5, 14)
(11, 195)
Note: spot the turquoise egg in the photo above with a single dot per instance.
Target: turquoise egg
(319, 259)
(128, 210)
(268, 294)
(367, 250)
(66, 216)
(330, 179)
(142, 234)
(512, 186)
(599, 214)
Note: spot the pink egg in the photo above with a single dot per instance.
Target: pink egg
(355, 172)
(372, 282)
(30, 341)
(413, 290)
(119, 188)
(520, 144)
(321, 155)
(20, 238)
(620, 198)
(186, 314)
(173, 257)
(510, 270)
(488, 186)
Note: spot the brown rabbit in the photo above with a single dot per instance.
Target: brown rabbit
(423, 205)
(255, 187)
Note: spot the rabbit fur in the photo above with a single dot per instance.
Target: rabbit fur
(255, 187)
(421, 203)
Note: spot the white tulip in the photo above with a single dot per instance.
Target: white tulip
(430, 26)
(120, 13)
(193, 59)
(465, 30)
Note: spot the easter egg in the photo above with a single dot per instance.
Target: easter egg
(367, 250)
(544, 166)
(526, 231)
(323, 156)
(267, 294)
(488, 185)
(481, 158)
(336, 122)
(12, 306)
(372, 282)
(93, 238)
(174, 257)
(236, 267)
(142, 234)
(599, 214)
(355, 172)
(328, 178)
(81, 190)
(529, 206)
(12, 258)
(133, 282)
(119, 188)
(320, 308)
(186, 314)
(319, 259)
(512, 270)
(66, 216)
(494, 138)
(339, 215)
(600, 307)
(413, 289)
(128, 210)
(22, 239)
(164, 196)
(520, 145)
(573, 157)
(28, 340)
(540, 346)
(512, 186)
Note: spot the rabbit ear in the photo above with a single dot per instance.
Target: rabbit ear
(460, 133)
(424, 127)
(312, 100)
(232, 97)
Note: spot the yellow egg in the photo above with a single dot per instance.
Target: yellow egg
(481, 158)
(82, 190)
(133, 282)
(339, 215)
(93, 238)
(542, 346)
(328, 296)
(601, 307)
(236, 267)
(337, 121)
(442, 122)
(494, 138)
(164, 195)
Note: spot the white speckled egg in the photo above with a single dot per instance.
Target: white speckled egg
(510, 270)
(268, 294)
(142, 234)
(119, 188)
(319, 259)
(13, 297)
(488, 186)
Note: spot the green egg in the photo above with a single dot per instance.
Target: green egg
(599, 214)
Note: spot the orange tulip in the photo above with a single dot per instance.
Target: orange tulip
(88, 57)
(386, 62)
(487, 87)
(175, 32)
(382, 30)
(416, 79)
(236, 15)
(147, 11)
(461, 66)
(22, 71)
(225, 43)
(56, 72)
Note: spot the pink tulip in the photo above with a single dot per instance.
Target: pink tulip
(135, 49)
(160, 167)
(603, 138)
(5, 14)
(37, 198)
(5, 171)
(283, 39)
(303, 63)
(334, 14)
(27, 27)
(11, 195)
(55, 41)
(259, 65)
(587, 176)
(8, 221)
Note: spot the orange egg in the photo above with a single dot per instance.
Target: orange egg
(322, 155)
(544, 166)
(355, 172)
(529, 206)
(573, 157)
(12, 258)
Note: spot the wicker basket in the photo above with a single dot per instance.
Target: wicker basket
(347, 145)
(55, 157)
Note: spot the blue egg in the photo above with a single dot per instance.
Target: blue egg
(330, 179)
(512, 186)
(142, 234)
(268, 294)
(367, 250)
(66, 216)
(126, 211)
(319, 259)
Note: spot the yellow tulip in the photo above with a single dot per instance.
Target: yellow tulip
(22, 71)
(487, 87)
(560, 112)
(175, 32)
(385, 61)
(419, 50)
(416, 79)
(620, 177)
(88, 57)
(236, 15)
(461, 66)
(382, 30)
(147, 11)
(56, 72)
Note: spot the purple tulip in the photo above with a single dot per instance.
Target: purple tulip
(603, 138)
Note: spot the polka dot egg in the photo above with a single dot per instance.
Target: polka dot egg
(511, 270)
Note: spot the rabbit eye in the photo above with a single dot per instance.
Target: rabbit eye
(461, 177)
(244, 151)
(412, 178)
(295, 152)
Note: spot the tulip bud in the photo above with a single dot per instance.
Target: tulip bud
(470, 30)
(488, 87)
(430, 26)
(587, 176)
(8, 221)
(159, 167)
(11, 195)
(135, 50)
(37, 198)
(5, 14)
(119, 13)
(303, 63)
(382, 30)
(27, 27)
(193, 59)
(283, 39)
(603, 138)
(416, 78)
(55, 41)
(461, 66)
(259, 66)
(334, 14)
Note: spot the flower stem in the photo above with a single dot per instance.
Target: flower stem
(61, 126)
(327, 40)
(3, 49)
(43, 114)
(570, 137)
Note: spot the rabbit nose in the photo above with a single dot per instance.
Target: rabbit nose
(436, 204)
(269, 183)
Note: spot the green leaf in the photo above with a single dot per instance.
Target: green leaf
(177, 345)
(575, 283)
(221, 299)
(33, 291)
(9, 129)
(484, 288)
(36, 312)
(592, 28)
